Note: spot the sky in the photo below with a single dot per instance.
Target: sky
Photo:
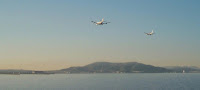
(56, 34)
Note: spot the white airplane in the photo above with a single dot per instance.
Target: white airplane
(100, 22)
(151, 33)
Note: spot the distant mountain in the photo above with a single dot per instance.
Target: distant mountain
(187, 69)
(107, 67)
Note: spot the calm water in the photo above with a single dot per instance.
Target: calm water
(139, 81)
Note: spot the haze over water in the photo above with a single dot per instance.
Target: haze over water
(138, 81)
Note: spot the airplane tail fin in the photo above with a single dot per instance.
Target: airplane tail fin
(152, 32)
(102, 20)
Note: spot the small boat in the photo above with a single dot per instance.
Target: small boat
(183, 71)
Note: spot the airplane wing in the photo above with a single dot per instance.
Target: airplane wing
(106, 22)
(146, 33)
(93, 21)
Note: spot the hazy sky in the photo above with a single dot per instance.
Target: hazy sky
(55, 34)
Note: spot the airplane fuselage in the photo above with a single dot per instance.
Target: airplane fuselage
(149, 33)
(99, 23)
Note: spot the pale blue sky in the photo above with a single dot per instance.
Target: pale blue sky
(54, 34)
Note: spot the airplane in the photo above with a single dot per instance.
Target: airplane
(100, 22)
(151, 33)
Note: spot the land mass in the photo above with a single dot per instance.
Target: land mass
(108, 67)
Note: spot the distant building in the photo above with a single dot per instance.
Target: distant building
(33, 72)
(39, 72)
(183, 71)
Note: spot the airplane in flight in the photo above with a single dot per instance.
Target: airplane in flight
(151, 33)
(100, 22)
